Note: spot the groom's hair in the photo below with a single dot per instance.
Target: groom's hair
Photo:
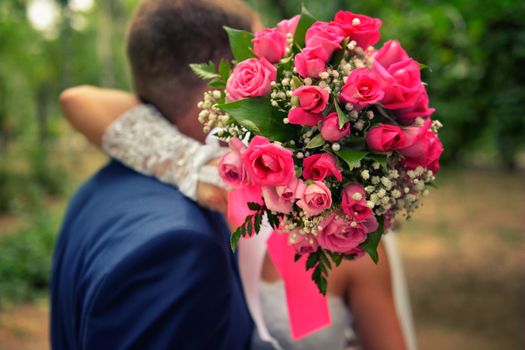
(165, 36)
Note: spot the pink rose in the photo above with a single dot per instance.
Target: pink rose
(270, 44)
(343, 236)
(282, 198)
(326, 35)
(250, 78)
(357, 252)
(288, 26)
(362, 29)
(400, 75)
(354, 202)
(407, 116)
(386, 138)
(319, 166)
(330, 128)
(315, 199)
(304, 244)
(362, 88)
(425, 148)
(231, 168)
(300, 116)
(311, 61)
(268, 164)
(312, 98)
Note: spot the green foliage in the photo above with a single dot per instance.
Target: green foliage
(372, 241)
(258, 116)
(307, 19)
(351, 157)
(25, 260)
(240, 43)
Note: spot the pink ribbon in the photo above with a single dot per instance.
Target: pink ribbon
(307, 308)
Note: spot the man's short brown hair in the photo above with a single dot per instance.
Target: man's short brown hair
(165, 36)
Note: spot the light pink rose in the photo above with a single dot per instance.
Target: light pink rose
(268, 164)
(231, 168)
(330, 128)
(425, 148)
(305, 244)
(251, 78)
(319, 166)
(282, 198)
(311, 61)
(341, 236)
(362, 88)
(316, 198)
(288, 26)
(354, 202)
(270, 44)
(312, 98)
(326, 35)
(386, 138)
(364, 30)
(407, 116)
(400, 75)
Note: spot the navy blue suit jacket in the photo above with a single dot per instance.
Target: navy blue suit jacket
(139, 266)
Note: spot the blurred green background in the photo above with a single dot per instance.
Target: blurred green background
(463, 250)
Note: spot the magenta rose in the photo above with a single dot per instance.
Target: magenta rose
(319, 166)
(311, 61)
(300, 116)
(250, 78)
(354, 202)
(231, 168)
(407, 116)
(330, 129)
(386, 138)
(362, 88)
(305, 244)
(268, 164)
(312, 98)
(400, 75)
(362, 29)
(270, 44)
(343, 236)
(326, 35)
(315, 199)
(425, 148)
(288, 26)
(282, 198)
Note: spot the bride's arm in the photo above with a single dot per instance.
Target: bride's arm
(138, 136)
(369, 295)
(90, 110)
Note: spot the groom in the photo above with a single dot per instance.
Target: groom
(137, 265)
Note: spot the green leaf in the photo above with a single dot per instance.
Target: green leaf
(372, 241)
(240, 43)
(257, 224)
(217, 83)
(351, 157)
(234, 238)
(249, 227)
(343, 119)
(312, 260)
(324, 259)
(339, 54)
(224, 70)
(205, 71)
(336, 258)
(317, 141)
(306, 21)
(380, 158)
(254, 206)
(258, 116)
(297, 257)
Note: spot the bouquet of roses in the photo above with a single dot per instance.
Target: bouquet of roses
(331, 137)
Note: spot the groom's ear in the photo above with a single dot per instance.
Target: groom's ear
(165, 36)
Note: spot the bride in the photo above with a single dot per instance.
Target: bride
(368, 303)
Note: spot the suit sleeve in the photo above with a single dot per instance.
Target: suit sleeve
(172, 293)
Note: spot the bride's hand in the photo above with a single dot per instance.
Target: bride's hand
(212, 196)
